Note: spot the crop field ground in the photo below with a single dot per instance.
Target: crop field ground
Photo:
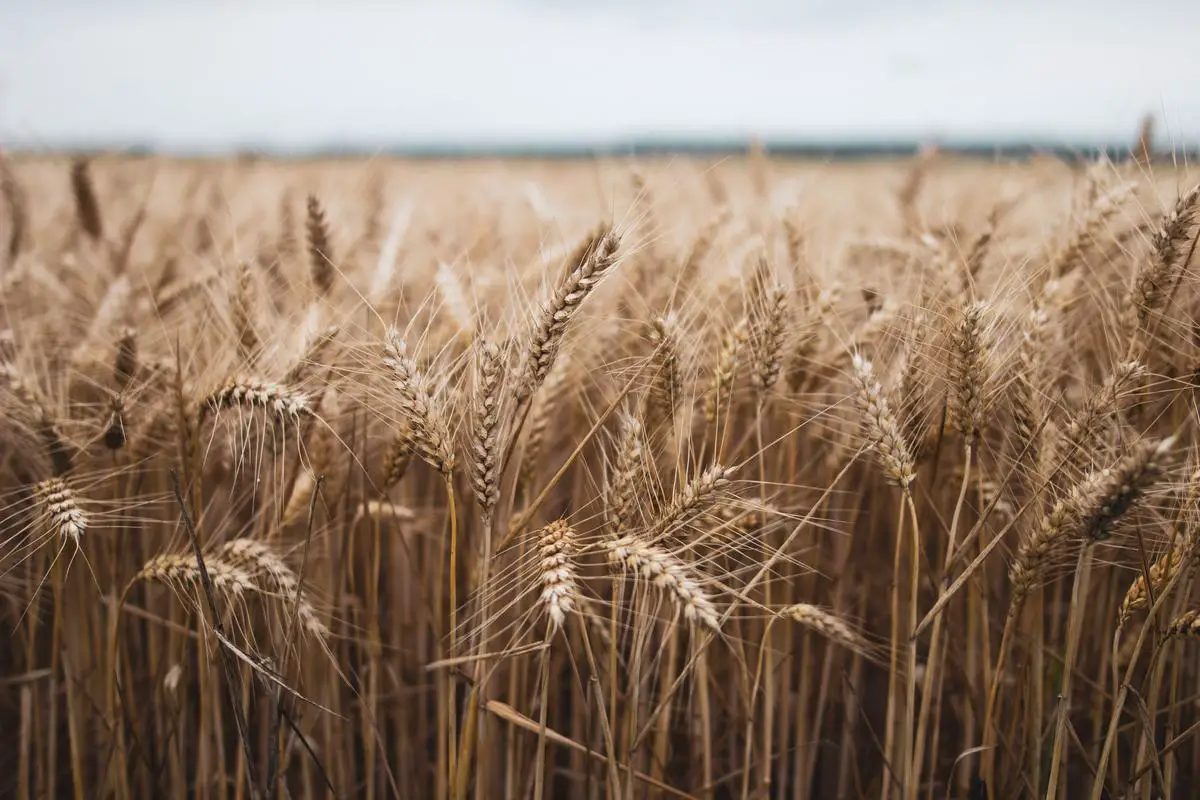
(608, 478)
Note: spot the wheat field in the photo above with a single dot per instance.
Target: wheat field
(598, 479)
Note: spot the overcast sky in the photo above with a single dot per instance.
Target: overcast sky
(189, 74)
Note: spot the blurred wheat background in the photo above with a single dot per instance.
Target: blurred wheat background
(699, 460)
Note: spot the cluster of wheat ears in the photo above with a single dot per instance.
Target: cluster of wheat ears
(496, 479)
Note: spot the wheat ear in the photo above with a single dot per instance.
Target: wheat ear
(320, 247)
(59, 508)
(313, 354)
(827, 624)
(542, 411)
(422, 424)
(87, 207)
(627, 476)
(668, 573)
(555, 314)
(1180, 551)
(242, 311)
(666, 387)
(258, 559)
(182, 572)
(45, 424)
(1102, 208)
(1186, 624)
(556, 547)
(724, 375)
(485, 435)
(969, 371)
(883, 432)
(1080, 435)
(698, 495)
(1089, 511)
(1158, 271)
(125, 364)
(767, 312)
(247, 392)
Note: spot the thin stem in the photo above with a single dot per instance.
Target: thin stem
(452, 719)
(890, 716)
(539, 775)
(1074, 626)
(935, 656)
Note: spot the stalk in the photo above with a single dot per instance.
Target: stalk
(1074, 626)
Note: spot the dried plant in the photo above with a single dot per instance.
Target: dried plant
(674, 574)
(552, 319)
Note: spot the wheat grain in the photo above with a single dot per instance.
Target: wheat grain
(552, 319)
(883, 432)
(61, 510)
(423, 425)
(725, 371)
(87, 207)
(247, 392)
(485, 409)
(183, 572)
(827, 624)
(259, 560)
(627, 476)
(320, 247)
(969, 372)
(668, 573)
(556, 546)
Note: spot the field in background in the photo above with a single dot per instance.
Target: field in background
(596, 479)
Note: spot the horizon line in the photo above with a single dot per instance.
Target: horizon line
(849, 147)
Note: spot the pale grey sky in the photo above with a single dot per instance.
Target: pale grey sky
(216, 74)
